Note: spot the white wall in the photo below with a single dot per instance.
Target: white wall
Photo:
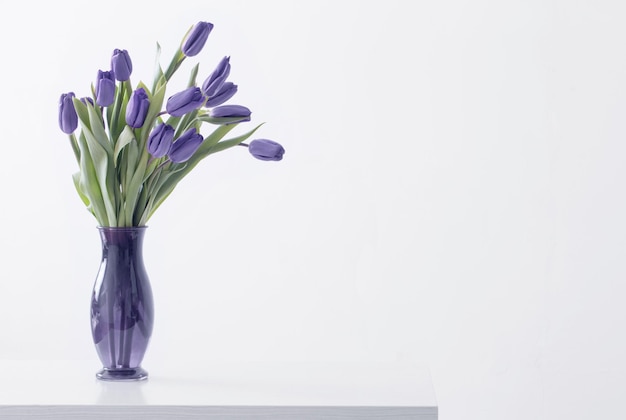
(452, 193)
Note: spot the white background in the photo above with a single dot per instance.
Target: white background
(452, 193)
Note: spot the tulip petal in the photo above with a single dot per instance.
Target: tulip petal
(217, 78)
(185, 146)
(121, 65)
(196, 38)
(185, 101)
(137, 108)
(264, 149)
(224, 93)
(231, 111)
(105, 88)
(68, 118)
(160, 140)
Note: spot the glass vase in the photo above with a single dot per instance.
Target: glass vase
(122, 308)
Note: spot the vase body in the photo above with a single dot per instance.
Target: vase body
(122, 308)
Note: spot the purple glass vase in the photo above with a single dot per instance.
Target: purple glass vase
(122, 309)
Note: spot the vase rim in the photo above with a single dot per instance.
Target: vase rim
(121, 228)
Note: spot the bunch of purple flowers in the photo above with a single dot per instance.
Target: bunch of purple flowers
(131, 152)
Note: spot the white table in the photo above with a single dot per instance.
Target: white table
(270, 391)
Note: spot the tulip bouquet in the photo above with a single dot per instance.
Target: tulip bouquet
(131, 152)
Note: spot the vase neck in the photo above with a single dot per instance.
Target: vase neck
(122, 236)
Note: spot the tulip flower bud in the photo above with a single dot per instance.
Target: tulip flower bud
(231, 111)
(87, 100)
(185, 101)
(121, 64)
(68, 119)
(105, 88)
(160, 140)
(185, 146)
(224, 93)
(137, 108)
(264, 149)
(217, 78)
(196, 38)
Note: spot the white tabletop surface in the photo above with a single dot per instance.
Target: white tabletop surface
(69, 389)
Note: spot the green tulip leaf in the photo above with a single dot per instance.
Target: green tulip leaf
(89, 184)
(158, 71)
(97, 129)
(131, 163)
(134, 186)
(85, 199)
(152, 165)
(223, 145)
(219, 120)
(122, 141)
(102, 167)
(193, 75)
(83, 114)
(156, 103)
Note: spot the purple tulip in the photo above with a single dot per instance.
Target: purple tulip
(137, 108)
(185, 146)
(231, 111)
(264, 149)
(196, 38)
(68, 119)
(160, 140)
(217, 78)
(105, 88)
(87, 100)
(121, 64)
(185, 101)
(224, 93)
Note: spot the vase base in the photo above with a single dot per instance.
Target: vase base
(122, 374)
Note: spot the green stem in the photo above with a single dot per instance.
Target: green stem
(116, 112)
(145, 197)
(185, 123)
(75, 147)
(178, 59)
